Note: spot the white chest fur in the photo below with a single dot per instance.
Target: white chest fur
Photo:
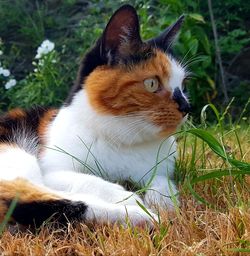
(111, 147)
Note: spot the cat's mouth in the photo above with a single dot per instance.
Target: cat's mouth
(168, 121)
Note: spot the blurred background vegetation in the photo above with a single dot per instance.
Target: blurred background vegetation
(74, 25)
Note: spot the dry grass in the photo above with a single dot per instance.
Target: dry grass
(195, 230)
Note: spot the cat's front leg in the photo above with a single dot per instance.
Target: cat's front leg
(73, 182)
(100, 211)
(105, 201)
(162, 193)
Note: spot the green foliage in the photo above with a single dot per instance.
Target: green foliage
(211, 156)
(234, 41)
(43, 86)
(75, 25)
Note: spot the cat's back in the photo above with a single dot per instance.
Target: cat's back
(25, 128)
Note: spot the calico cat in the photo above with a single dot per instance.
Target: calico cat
(126, 100)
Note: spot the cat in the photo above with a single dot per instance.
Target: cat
(127, 100)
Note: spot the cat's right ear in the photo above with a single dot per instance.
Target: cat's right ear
(121, 35)
(167, 37)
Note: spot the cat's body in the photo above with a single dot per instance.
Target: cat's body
(111, 143)
(126, 101)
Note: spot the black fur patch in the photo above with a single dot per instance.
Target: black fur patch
(91, 61)
(141, 53)
(11, 126)
(61, 211)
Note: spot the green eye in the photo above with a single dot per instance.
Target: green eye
(151, 84)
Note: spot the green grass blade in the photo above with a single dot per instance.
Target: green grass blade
(144, 209)
(214, 144)
(210, 140)
(197, 196)
(8, 214)
(218, 174)
(241, 165)
(239, 250)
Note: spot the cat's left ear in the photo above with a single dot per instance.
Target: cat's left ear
(167, 37)
(122, 34)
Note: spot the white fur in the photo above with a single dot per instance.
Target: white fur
(17, 163)
(124, 148)
(115, 146)
(177, 75)
(103, 211)
(81, 142)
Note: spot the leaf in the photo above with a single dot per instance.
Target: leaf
(210, 140)
(241, 165)
(193, 46)
(211, 82)
(218, 174)
(218, 149)
(187, 35)
(200, 34)
(197, 16)
(144, 209)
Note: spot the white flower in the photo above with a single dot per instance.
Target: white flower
(46, 47)
(4, 72)
(41, 62)
(1, 52)
(10, 83)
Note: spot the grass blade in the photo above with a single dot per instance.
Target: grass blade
(8, 215)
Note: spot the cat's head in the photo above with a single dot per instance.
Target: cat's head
(124, 76)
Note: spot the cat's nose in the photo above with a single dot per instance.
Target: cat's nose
(184, 106)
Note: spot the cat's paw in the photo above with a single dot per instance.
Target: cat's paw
(136, 216)
(126, 215)
(157, 199)
(125, 198)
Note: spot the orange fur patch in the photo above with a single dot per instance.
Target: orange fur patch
(120, 91)
(5, 146)
(44, 122)
(16, 113)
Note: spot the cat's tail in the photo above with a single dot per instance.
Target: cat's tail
(32, 205)
(22, 188)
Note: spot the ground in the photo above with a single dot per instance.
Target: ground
(222, 227)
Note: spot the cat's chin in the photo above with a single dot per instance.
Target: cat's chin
(170, 130)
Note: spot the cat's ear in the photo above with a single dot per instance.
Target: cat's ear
(167, 37)
(122, 34)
